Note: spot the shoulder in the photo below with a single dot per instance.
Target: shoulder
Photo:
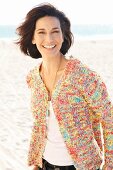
(82, 69)
(32, 74)
(82, 73)
(85, 78)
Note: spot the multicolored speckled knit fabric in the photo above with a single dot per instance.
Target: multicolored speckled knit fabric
(81, 105)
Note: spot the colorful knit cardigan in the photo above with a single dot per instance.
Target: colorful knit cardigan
(81, 105)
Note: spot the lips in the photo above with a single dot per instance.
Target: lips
(49, 46)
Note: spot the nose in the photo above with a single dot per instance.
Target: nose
(49, 37)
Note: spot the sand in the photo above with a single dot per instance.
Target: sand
(15, 114)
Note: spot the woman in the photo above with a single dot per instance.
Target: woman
(69, 101)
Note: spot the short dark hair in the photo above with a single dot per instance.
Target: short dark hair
(26, 29)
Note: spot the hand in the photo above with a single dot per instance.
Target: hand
(35, 168)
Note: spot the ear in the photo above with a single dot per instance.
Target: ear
(33, 41)
(62, 38)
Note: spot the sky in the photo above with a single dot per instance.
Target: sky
(12, 12)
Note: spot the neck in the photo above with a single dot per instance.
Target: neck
(52, 64)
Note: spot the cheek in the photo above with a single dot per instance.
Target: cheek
(37, 39)
(59, 38)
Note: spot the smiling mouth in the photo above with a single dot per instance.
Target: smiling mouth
(49, 46)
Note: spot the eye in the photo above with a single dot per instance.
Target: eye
(41, 32)
(56, 31)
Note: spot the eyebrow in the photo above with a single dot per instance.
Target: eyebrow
(42, 29)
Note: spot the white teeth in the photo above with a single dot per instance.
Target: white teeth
(49, 46)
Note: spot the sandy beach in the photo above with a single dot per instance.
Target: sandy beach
(15, 114)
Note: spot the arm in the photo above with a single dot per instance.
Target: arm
(96, 95)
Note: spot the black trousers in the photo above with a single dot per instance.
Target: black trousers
(48, 166)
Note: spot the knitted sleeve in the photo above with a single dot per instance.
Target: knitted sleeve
(29, 79)
(96, 94)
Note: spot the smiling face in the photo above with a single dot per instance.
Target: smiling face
(48, 36)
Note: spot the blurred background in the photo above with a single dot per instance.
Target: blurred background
(88, 18)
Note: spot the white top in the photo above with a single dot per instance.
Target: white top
(55, 150)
